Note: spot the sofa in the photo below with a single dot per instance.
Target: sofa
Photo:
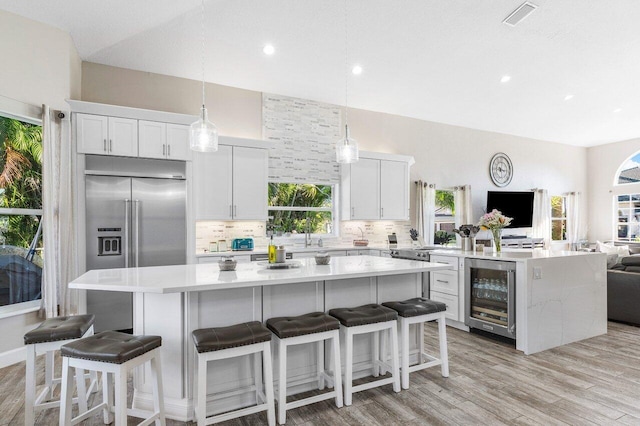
(623, 290)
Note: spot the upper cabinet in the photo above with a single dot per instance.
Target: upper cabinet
(130, 132)
(376, 188)
(231, 184)
(107, 135)
(163, 140)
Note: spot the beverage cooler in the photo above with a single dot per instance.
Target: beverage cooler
(490, 296)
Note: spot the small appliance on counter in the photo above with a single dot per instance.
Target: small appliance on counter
(393, 240)
(242, 244)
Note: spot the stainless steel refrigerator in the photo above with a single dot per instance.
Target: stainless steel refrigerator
(131, 222)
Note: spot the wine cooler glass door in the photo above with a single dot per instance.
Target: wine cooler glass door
(490, 301)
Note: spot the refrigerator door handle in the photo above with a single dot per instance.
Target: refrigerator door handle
(137, 230)
(126, 232)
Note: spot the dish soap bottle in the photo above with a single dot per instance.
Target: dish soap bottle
(272, 251)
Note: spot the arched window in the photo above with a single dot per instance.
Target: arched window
(629, 171)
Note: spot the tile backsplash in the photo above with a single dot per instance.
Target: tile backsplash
(374, 231)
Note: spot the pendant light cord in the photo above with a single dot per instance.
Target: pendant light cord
(346, 72)
(202, 48)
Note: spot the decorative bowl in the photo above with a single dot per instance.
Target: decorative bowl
(322, 258)
(227, 264)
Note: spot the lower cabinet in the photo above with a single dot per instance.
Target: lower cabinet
(215, 259)
(448, 287)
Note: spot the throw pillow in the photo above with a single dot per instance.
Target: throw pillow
(612, 249)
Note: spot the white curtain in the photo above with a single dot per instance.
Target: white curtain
(542, 216)
(462, 203)
(425, 211)
(573, 219)
(59, 236)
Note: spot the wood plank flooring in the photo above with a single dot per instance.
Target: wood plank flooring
(596, 381)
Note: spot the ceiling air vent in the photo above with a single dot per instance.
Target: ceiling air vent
(519, 14)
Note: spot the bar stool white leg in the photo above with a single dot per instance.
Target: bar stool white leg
(81, 386)
(442, 340)
(201, 392)
(394, 358)
(404, 338)
(282, 381)
(320, 346)
(268, 384)
(335, 366)
(156, 380)
(121, 396)
(348, 367)
(107, 397)
(30, 387)
(66, 393)
(48, 372)
(421, 343)
(257, 374)
(375, 354)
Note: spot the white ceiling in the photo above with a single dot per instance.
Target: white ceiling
(437, 60)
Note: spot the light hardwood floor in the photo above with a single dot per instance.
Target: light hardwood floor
(596, 381)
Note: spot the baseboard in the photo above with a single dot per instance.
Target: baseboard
(13, 356)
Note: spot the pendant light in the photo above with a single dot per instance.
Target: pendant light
(346, 148)
(203, 135)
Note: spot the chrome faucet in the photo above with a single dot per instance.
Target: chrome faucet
(307, 235)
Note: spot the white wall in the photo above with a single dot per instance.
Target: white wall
(602, 164)
(445, 155)
(40, 65)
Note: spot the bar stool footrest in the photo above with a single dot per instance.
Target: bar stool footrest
(218, 418)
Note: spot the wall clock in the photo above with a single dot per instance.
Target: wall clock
(501, 169)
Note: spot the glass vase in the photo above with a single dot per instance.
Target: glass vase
(497, 243)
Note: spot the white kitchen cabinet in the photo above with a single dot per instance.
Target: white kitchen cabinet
(107, 135)
(394, 190)
(231, 184)
(448, 287)
(163, 140)
(376, 188)
(246, 258)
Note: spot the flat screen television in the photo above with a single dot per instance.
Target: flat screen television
(518, 205)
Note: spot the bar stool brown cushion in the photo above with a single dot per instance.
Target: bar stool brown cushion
(111, 346)
(59, 328)
(315, 322)
(416, 307)
(218, 338)
(362, 315)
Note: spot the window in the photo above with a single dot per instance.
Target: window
(20, 211)
(296, 208)
(558, 218)
(629, 171)
(628, 217)
(445, 219)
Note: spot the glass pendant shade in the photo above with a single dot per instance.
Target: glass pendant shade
(203, 135)
(347, 149)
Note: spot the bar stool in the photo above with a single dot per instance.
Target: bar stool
(315, 327)
(371, 318)
(48, 337)
(419, 311)
(114, 354)
(230, 342)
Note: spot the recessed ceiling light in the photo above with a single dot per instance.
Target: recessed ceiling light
(617, 110)
(269, 49)
(357, 70)
(568, 97)
(505, 78)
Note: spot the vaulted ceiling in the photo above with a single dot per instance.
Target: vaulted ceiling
(574, 64)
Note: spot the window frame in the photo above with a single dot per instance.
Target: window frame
(559, 219)
(16, 110)
(616, 217)
(438, 221)
(334, 209)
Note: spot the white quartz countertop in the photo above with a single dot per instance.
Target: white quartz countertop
(184, 278)
(514, 255)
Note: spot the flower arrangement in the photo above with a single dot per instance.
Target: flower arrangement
(494, 221)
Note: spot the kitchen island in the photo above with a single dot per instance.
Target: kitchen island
(172, 301)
